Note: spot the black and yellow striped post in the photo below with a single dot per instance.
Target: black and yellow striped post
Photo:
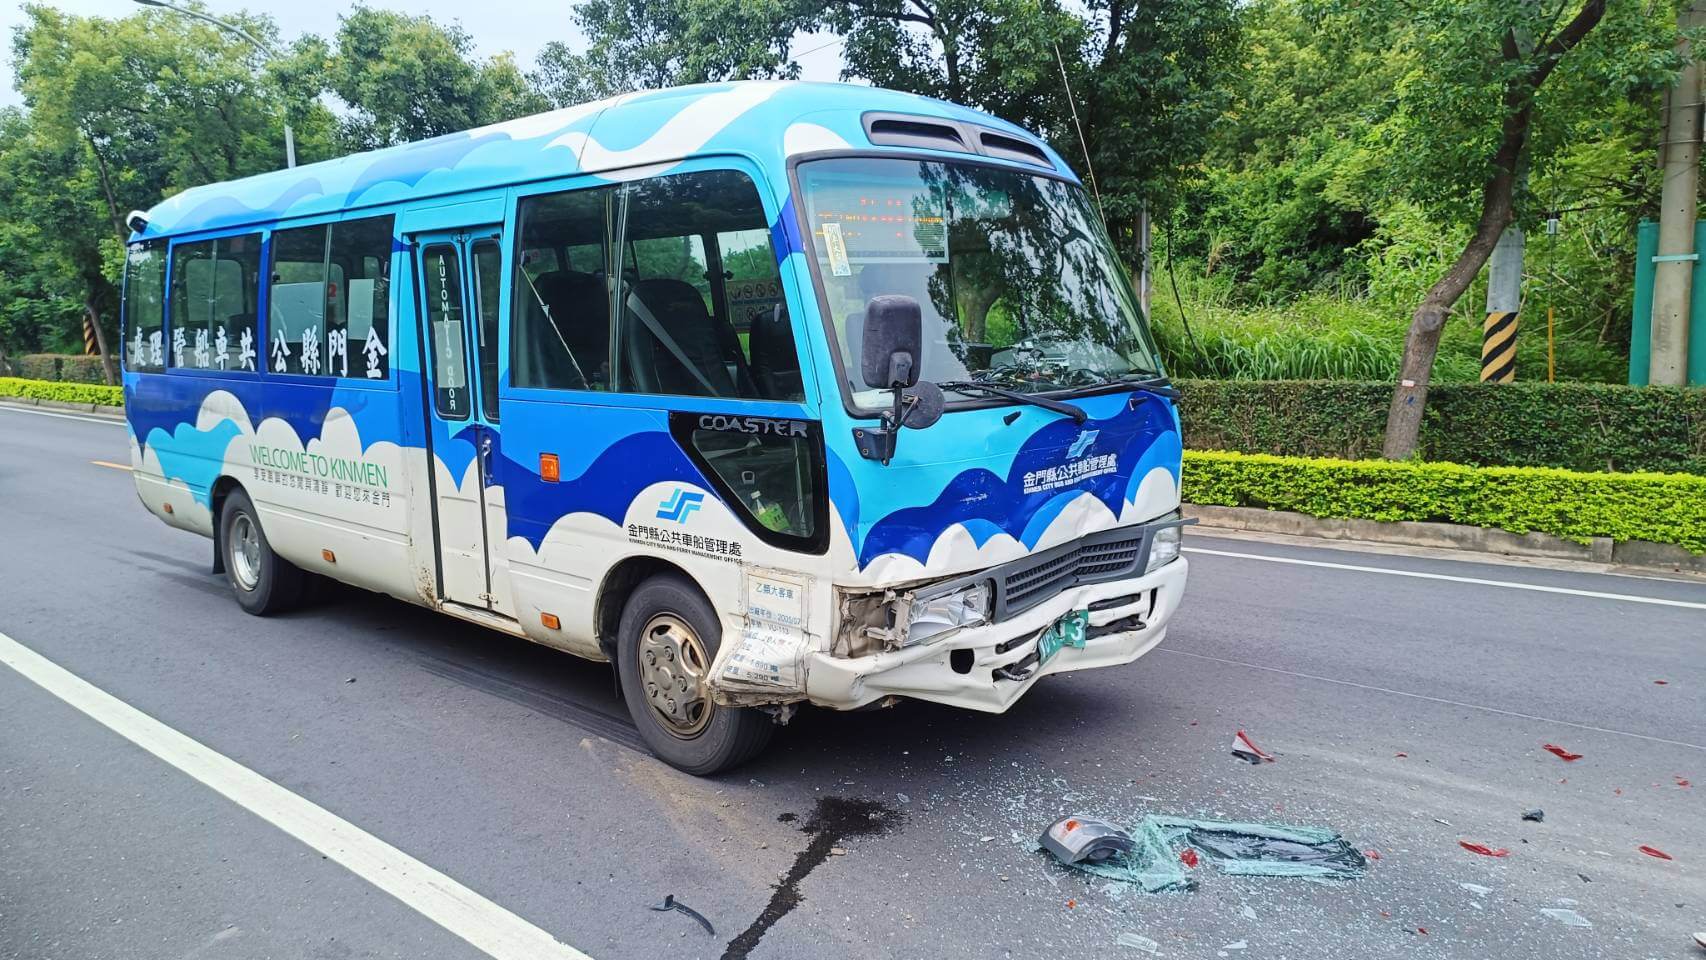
(1504, 299)
(1498, 347)
(89, 348)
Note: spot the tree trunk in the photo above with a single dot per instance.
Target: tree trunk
(1421, 344)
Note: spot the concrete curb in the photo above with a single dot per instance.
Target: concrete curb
(99, 410)
(1450, 536)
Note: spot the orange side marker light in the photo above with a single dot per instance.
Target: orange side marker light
(548, 468)
(550, 621)
(328, 556)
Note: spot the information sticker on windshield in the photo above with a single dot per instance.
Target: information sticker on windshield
(836, 247)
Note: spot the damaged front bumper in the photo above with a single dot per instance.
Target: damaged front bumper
(989, 666)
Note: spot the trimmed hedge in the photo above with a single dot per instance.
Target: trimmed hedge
(1656, 507)
(96, 393)
(1572, 426)
(66, 367)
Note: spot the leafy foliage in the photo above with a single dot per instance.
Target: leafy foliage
(1653, 507)
(67, 368)
(1584, 427)
(93, 393)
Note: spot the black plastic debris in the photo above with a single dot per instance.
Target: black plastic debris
(1536, 815)
(670, 903)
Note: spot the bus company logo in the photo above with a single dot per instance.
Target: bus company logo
(1085, 438)
(680, 506)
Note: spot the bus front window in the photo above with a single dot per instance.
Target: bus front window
(1017, 282)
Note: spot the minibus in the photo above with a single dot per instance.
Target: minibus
(767, 393)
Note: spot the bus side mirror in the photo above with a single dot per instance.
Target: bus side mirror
(894, 338)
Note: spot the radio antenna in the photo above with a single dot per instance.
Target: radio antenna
(1072, 103)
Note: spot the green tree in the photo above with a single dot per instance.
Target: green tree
(119, 114)
(643, 44)
(407, 78)
(1492, 85)
(1148, 76)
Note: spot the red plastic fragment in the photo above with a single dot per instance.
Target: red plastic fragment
(1072, 904)
(1483, 849)
(1188, 857)
(1617, 790)
(1654, 852)
(1422, 930)
(1371, 854)
(1243, 746)
(1399, 754)
(1683, 782)
(1560, 752)
(1661, 682)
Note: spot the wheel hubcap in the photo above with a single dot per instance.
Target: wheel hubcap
(246, 552)
(673, 670)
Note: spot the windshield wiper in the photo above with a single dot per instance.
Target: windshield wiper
(1058, 406)
(1152, 384)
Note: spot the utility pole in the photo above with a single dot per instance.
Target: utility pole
(1673, 267)
(1504, 299)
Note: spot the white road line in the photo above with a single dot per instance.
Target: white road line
(109, 421)
(1507, 584)
(1423, 696)
(487, 926)
(111, 465)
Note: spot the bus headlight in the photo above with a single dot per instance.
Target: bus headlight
(1164, 547)
(935, 617)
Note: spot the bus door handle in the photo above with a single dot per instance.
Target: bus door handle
(486, 457)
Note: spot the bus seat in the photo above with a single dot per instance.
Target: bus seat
(580, 310)
(775, 362)
(680, 313)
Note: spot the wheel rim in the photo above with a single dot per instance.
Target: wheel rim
(673, 671)
(246, 552)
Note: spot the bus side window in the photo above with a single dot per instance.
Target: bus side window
(328, 310)
(674, 330)
(358, 320)
(215, 285)
(145, 307)
(560, 333)
(296, 301)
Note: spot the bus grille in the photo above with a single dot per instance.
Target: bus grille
(1107, 556)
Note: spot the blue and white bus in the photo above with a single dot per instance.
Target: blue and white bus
(768, 393)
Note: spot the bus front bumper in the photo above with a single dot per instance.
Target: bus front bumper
(999, 666)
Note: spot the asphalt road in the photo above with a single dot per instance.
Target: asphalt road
(1407, 712)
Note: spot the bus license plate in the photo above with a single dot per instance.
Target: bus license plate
(1068, 631)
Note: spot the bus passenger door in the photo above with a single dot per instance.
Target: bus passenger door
(458, 292)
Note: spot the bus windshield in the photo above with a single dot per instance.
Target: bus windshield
(1017, 282)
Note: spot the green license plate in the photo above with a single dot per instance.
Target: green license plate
(1068, 631)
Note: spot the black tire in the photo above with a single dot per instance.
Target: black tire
(277, 584)
(725, 736)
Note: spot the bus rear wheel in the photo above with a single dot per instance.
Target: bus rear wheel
(668, 639)
(264, 582)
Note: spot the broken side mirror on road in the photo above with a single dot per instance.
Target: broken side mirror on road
(893, 349)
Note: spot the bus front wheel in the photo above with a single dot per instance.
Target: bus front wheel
(666, 643)
(263, 581)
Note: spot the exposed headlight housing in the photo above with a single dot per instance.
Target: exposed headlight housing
(935, 617)
(1164, 547)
